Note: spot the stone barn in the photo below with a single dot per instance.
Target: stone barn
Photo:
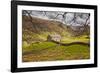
(54, 38)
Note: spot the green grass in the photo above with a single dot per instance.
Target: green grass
(75, 39)
(49, 51)
(38, 46)
(45, 52)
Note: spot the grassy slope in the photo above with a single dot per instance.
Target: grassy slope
(43, 52)
(39, 29)
(75, 39)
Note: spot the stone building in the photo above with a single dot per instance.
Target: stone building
(55, 37)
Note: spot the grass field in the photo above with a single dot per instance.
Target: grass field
(49, 51)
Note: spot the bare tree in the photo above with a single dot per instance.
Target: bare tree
(29, 13)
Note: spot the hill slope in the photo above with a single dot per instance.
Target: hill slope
(38, 29)
(37, 25)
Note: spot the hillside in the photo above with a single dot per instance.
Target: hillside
(38, 29)
(37, 25)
